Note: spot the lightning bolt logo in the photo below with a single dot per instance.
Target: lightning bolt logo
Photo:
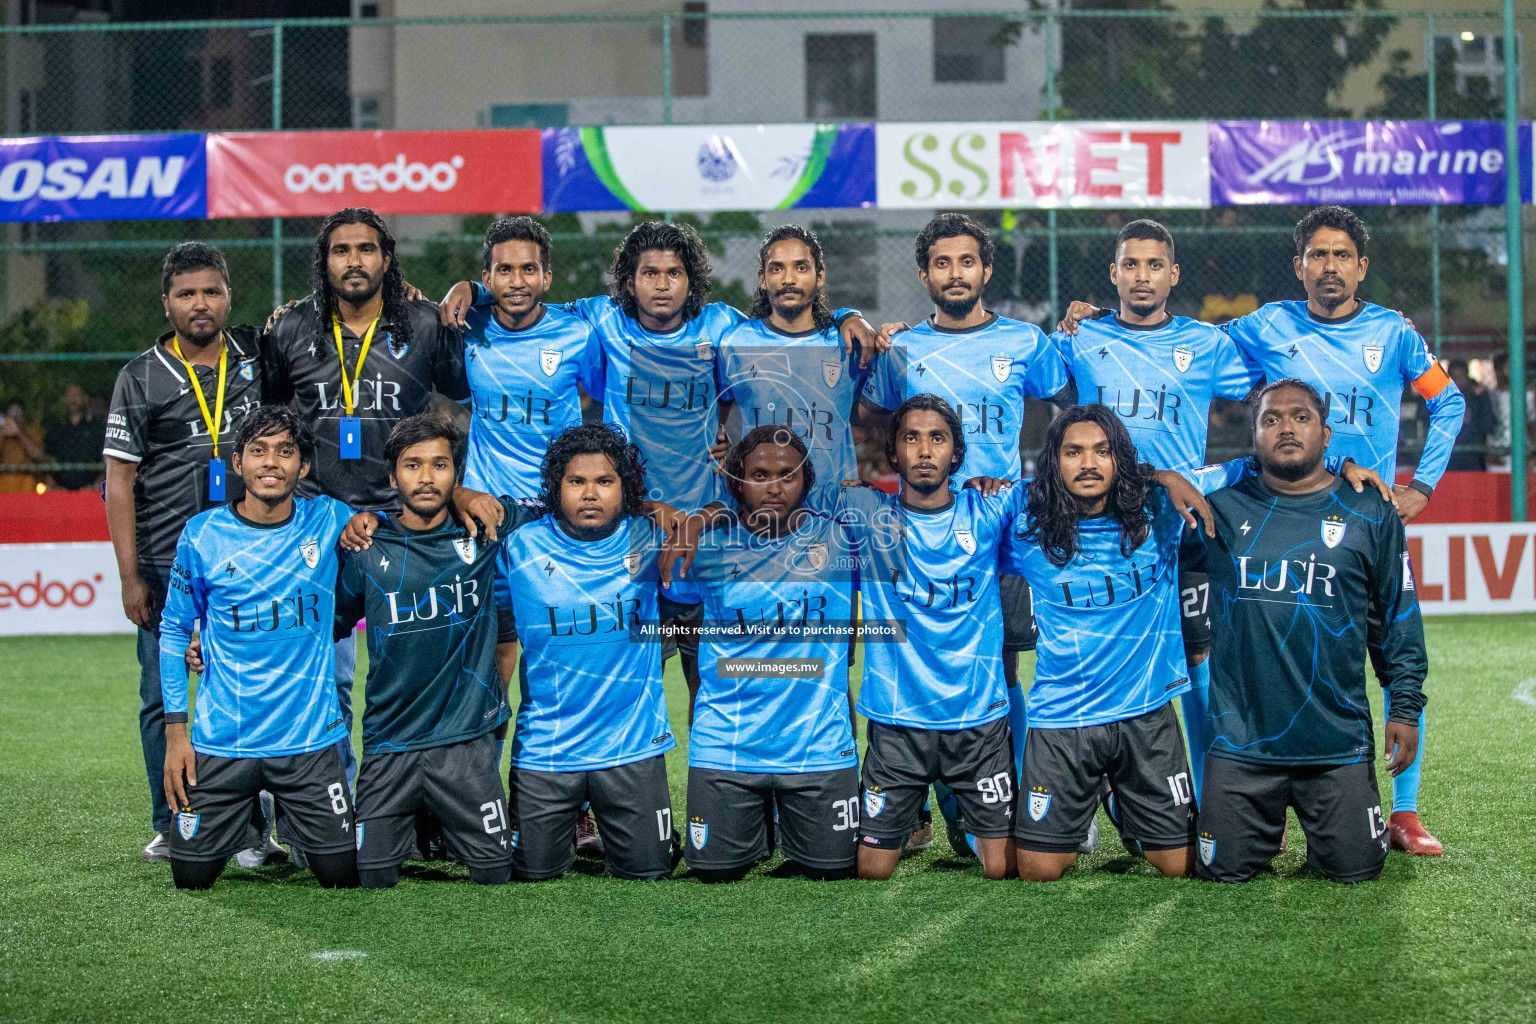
(1291, 351)
(1245, 527)
(1103, 352)
(383, 562)
(549, 568)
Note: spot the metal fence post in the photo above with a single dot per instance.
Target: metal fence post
(666, 69)
(1516, 290)
(1052, 33)
(1434, 209)
(277, 126)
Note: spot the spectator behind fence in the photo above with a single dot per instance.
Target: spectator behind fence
(1477, 426)
(77, 437)
(21, 444)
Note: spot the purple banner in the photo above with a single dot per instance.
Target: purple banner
(103, 177)
(1361, 162)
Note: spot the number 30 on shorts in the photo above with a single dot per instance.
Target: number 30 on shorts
(996, 790)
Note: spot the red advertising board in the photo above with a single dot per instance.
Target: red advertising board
(312, 174)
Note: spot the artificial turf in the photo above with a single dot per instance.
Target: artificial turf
(89, 932)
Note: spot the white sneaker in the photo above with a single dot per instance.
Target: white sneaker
(158, 848)
(1092, 842)
(256, 856)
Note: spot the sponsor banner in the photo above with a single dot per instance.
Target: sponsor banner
(103, 177)
(709, 167)
(60, 588)
(312, 174)
(1043, 164)
(1474, 567)
(1361, 162)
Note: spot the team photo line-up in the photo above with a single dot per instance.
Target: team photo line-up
(269, 488)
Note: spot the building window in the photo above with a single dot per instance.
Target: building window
(696, 24)
(968, 50)
(840, 76)
(364, 9)
(365, 112)
(1479, 57)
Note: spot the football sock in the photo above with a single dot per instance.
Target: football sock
(196, 874)
(1405, 787)
(1196, 703)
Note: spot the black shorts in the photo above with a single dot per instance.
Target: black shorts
(631, 803)
(818, 823)
(1194, 612)
(901, 763)
(459, 783)
(314, 805)
(1242, 817)
(1143, 758)
(1019, 629)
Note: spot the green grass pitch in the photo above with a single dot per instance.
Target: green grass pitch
(88, 932)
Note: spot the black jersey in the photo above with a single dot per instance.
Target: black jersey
(156, 421)
(410, 356)
(1293, 581)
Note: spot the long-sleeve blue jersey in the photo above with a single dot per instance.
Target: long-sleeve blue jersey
(264, 599)
(1360, 363)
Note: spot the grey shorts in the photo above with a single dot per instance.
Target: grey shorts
(818, 817)
(901, 763)
(1143, 758)
(1242, 818)
(459, 783)
(314, 805)
(631, 803)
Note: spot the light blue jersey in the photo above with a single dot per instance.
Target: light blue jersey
(938, 573)
(803, 381)
(264, 600)
(660, 390)
(776, 598)
(1110, 645)
(591, 684)
(523, 391)
(1159, 380)
(1361, 364)
(984, 372)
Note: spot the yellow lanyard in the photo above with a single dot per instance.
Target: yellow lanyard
(348, 390)
(217, 418)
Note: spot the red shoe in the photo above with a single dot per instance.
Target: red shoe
(588, 844)
(1409, 835)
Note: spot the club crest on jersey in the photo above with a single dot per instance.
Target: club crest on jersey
(1002, 366)
(831, 372)
(874, 802)
(398, 349)
(816, 554)
(247, 369)
(465, 547)
(1039, 803)
(310, 549)
(1372, 355)
(1333, 531)
(187, 822)
(359, 828)
(704, 350)
(1207, 848)
(966, 538)
(1407, 572)
(698, 833)
(549, 361)
(632, 562)
(1182, 357)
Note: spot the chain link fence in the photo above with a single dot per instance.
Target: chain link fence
(81, 297)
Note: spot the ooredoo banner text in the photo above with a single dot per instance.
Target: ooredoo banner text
(313, 174)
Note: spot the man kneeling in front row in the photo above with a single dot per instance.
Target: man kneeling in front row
(1298, 565)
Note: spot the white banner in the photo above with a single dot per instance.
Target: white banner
(60, 588)
(1474, 567)
(1043, 164)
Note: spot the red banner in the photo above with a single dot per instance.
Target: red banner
(312, 174)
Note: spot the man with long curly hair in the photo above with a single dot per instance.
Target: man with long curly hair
(354, 358)
(592, 727)
(1099, 545)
